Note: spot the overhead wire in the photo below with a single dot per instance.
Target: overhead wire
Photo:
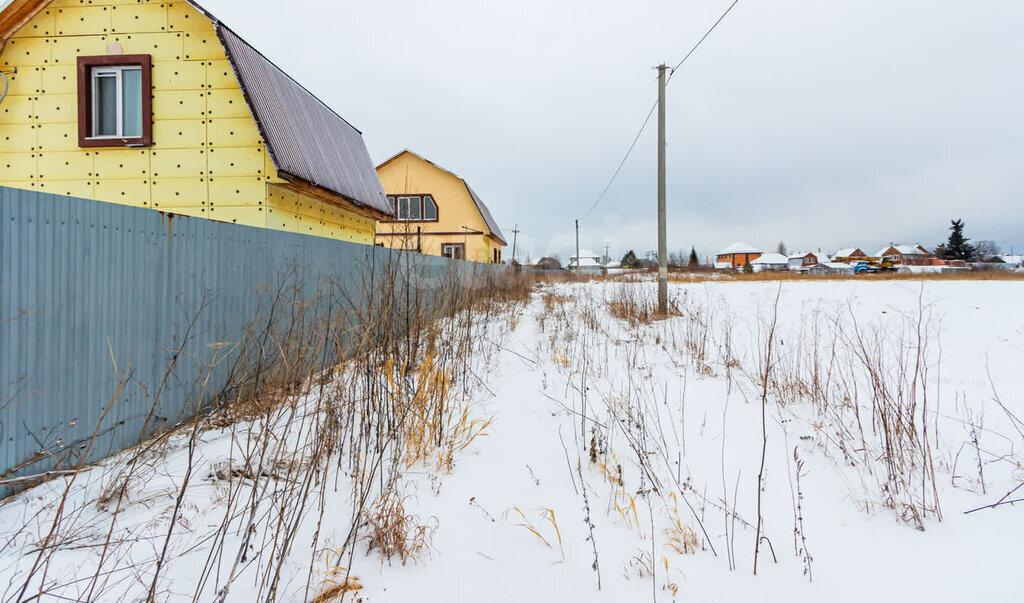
(653, 107)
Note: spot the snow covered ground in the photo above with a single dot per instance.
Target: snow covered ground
(623, 456)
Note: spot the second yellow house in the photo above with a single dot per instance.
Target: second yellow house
(437, 213)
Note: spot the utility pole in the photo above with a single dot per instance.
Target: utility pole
(515, 235)
(577, 248)
(606, 248)
(662, 243)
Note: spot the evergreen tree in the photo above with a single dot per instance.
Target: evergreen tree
(693, 262)
(629, 260)
(781, 249)
(957, 247)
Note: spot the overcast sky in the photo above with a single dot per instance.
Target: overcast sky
(821, 124)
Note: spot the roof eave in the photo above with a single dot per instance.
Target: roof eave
(334, 197)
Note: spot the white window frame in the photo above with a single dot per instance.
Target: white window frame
(116, 71)
(452, 246)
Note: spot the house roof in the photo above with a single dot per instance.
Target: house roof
(485, 213)
(846, 252)
(904, 250)
(585, 262)
(771, 258)
(305, 138)
(739, 247)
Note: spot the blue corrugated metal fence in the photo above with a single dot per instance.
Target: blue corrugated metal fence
(90, 291)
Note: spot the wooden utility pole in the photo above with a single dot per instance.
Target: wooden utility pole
(515, 235)
(577, 248)
(662, 243)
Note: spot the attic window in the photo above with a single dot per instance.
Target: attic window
(414, 208)
(115, 107)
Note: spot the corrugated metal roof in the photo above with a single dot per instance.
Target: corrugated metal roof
(486, 213)
(304, 137)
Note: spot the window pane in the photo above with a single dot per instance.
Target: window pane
(131, 85)
(429, 209)
(105, 105)
(403, 208)
(414, 208)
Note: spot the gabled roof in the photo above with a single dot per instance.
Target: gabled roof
(739, 248)
(771, 258)
(485, 213)
(847, 252)
(305, 138)
(904, 250)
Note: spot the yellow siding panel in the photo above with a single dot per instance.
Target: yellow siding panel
(17, 109)
(16, 167)
(161, 46)
(179, 75)
(26, 82)
(179, 104)
(202, 44)
(57, 137)
(67, 50)
(219, 74)
(56, 108)
(228, 102)
(72, 188)
(130, 192)
(41, 25)
(80, 21)
(234, 132)
(58, 79)
(121, 163)
(239, 161)
(27, 52)
(179, 134)
(66, 165)
(19, 137)
(238, 191)
(179, 163)
(131, 19)
(182, 17)
(252, 216)
(179, 192)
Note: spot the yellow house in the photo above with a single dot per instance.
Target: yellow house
(435, 212)
(157, 104)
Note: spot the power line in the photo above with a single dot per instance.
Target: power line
(701, 40)
(623, 162)
(655, 106)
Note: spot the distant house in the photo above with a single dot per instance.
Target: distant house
(586, 263)
(906, 254)
(1017, 261)
(545, 263)
(436, 212)
(804, 260)
(736, 255)
(769, 262)
(849, 254)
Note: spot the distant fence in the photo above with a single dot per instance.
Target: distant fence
(86, 286)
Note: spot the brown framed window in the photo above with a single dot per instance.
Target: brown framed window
(115, 101)
(455, 251)
(414, 208)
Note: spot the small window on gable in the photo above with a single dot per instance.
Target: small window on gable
(115, 101)
(429, 208)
